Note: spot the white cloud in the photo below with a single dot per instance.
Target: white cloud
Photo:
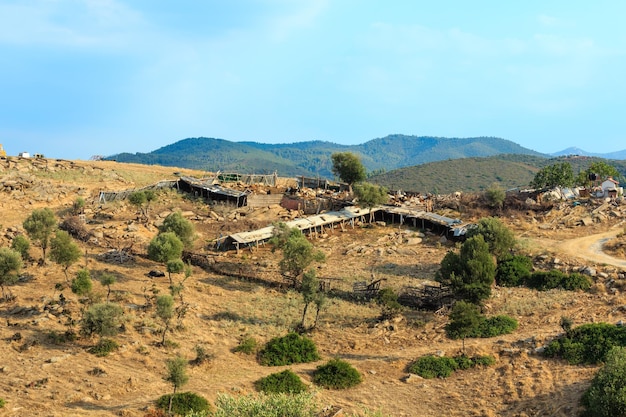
(305, 15)
(74, 23)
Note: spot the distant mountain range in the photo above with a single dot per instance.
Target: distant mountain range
(578, 151)
(313, 158)
(410, 163)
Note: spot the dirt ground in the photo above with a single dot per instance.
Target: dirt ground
(44, 376)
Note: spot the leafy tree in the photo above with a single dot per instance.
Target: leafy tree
(370, 195)
(103, 319)
(165, 311)
(22, 245)
(601, 169)
(606, 397)
(81, 284)
(557, 175)
(495, 196)
(309, 289)
(107, 280)
(165, 247)
(63, 250)
(464, 318)
(39, 227)
(10, 265)
(176, 375)
(174, 266)
(469, 273)
(183, 228)
(298, 254)
(495, 233)
(138, 199)
(348, 168)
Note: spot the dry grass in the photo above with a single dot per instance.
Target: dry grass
(55, 378)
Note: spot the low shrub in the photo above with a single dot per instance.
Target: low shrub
(547, 280)
(202, 356)
(287, 350)
(430, 366)
(587, 344)
(2, 403)
(495, 326)
(388, 301)
(281, 382)
(247, 346)
(184, 403)
(336, 374)
(513, 271)
(605, 397)
(104, 347)
(270, 405)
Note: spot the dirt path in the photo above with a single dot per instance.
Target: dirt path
(587, 247)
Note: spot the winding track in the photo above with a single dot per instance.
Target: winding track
(590, 248)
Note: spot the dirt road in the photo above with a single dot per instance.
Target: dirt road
(587, 247)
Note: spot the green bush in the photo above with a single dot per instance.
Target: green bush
(281, 382)
(247, 346)
(104, 347)
(22, 245)
(336, 374)
(513, 271)
(547, 280)
(2, 403)
(270, 405)
(587, 344)
(388, 301)
(184, 403)
(495, 326)
(430, 366)
(288, 350)
(605, 397)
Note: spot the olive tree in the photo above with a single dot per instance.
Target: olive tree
(298, 255)
(103, 319)
(165, 311)
(10, 265)
(601, 170)
(63, 250)
(348, 168)
(39, 227)
(176, 375)
(183, 228)
(556, 175)
(370, 195)
(165, 247)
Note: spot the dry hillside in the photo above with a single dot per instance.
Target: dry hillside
(44, 376)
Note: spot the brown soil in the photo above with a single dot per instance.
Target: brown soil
(44, 377)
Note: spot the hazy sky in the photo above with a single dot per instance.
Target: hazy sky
(86, 77)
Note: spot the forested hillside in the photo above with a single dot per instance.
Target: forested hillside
(313, 158)
(478, 174)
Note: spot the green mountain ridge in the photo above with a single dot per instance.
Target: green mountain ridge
(312, 158)
(410, 163)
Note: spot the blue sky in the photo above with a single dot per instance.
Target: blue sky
(87, 77)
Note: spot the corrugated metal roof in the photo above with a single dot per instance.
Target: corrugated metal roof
(214, 188)
(265, 233)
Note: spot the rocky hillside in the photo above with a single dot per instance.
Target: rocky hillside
(233, 296)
